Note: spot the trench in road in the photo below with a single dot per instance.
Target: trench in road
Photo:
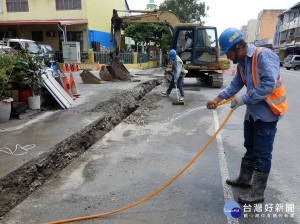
(148, 104)
(73, 181)
(19, 184)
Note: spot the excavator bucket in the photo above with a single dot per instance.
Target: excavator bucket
(114, 70)
(104, 73)
(88, 78)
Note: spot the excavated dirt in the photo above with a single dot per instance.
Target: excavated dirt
(147, 105)
(19, 184)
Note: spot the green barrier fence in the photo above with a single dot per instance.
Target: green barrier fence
(103, 58)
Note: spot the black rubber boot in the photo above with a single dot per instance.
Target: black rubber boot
(256, 193)
(245, 177)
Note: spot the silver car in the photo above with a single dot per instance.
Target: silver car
(292, 61)
(48, 54)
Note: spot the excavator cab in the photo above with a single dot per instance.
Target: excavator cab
(203, 51)
(202, 58)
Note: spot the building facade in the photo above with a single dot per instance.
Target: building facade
(251, 30)
(287, 32)
(244, 30)
(52, 22)
(266, 23)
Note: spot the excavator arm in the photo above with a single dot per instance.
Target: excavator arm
(152, 16)
(115, 69)
(147, 16)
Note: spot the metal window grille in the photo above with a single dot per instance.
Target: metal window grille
(103, 58)
(17, 5)
(68, 4)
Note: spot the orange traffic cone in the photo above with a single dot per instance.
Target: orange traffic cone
(67, 87)
(69, 68)
(75, 68)
(64, 68)
(98, 66)
(223, 71)
(73, 86)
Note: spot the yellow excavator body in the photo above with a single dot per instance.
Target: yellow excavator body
(201, 62)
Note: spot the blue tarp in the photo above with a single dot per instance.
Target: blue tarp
(102, 37)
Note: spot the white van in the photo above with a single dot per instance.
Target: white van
(19, 44)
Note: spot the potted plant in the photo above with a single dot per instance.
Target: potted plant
(6, 70)
(28, 72)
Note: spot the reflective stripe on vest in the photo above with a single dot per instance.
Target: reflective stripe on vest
(277, 100)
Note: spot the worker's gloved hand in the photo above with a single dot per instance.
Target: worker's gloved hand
(236, 102)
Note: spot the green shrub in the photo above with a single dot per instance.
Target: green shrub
(21, 68)
(7, 65)
(28, 71)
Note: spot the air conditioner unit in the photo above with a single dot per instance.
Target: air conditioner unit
(71, 52)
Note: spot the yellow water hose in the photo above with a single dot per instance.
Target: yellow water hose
(161, 188)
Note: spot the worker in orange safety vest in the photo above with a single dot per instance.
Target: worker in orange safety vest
(258, 70)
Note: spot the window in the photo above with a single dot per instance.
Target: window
(15, 45)
(206, 46)
(37, 36)
(206, 38)
(297, 58)
(68, 4)
(291, 17)
(51, 33)
(182, 40)
(17, 5)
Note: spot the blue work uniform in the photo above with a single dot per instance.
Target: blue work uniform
(178, 75)
(260, 123)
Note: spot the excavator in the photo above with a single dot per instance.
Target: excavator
(202, 60)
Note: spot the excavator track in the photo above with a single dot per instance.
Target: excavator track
(211, 78)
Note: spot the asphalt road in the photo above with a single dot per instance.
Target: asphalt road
(151, 146)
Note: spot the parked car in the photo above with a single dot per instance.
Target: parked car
(47, 52)
(19, 44)
(292, 61)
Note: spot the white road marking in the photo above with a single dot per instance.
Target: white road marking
(228, 195)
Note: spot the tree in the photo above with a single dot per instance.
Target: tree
(188, 11)
(165, 43)
(141, 32)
